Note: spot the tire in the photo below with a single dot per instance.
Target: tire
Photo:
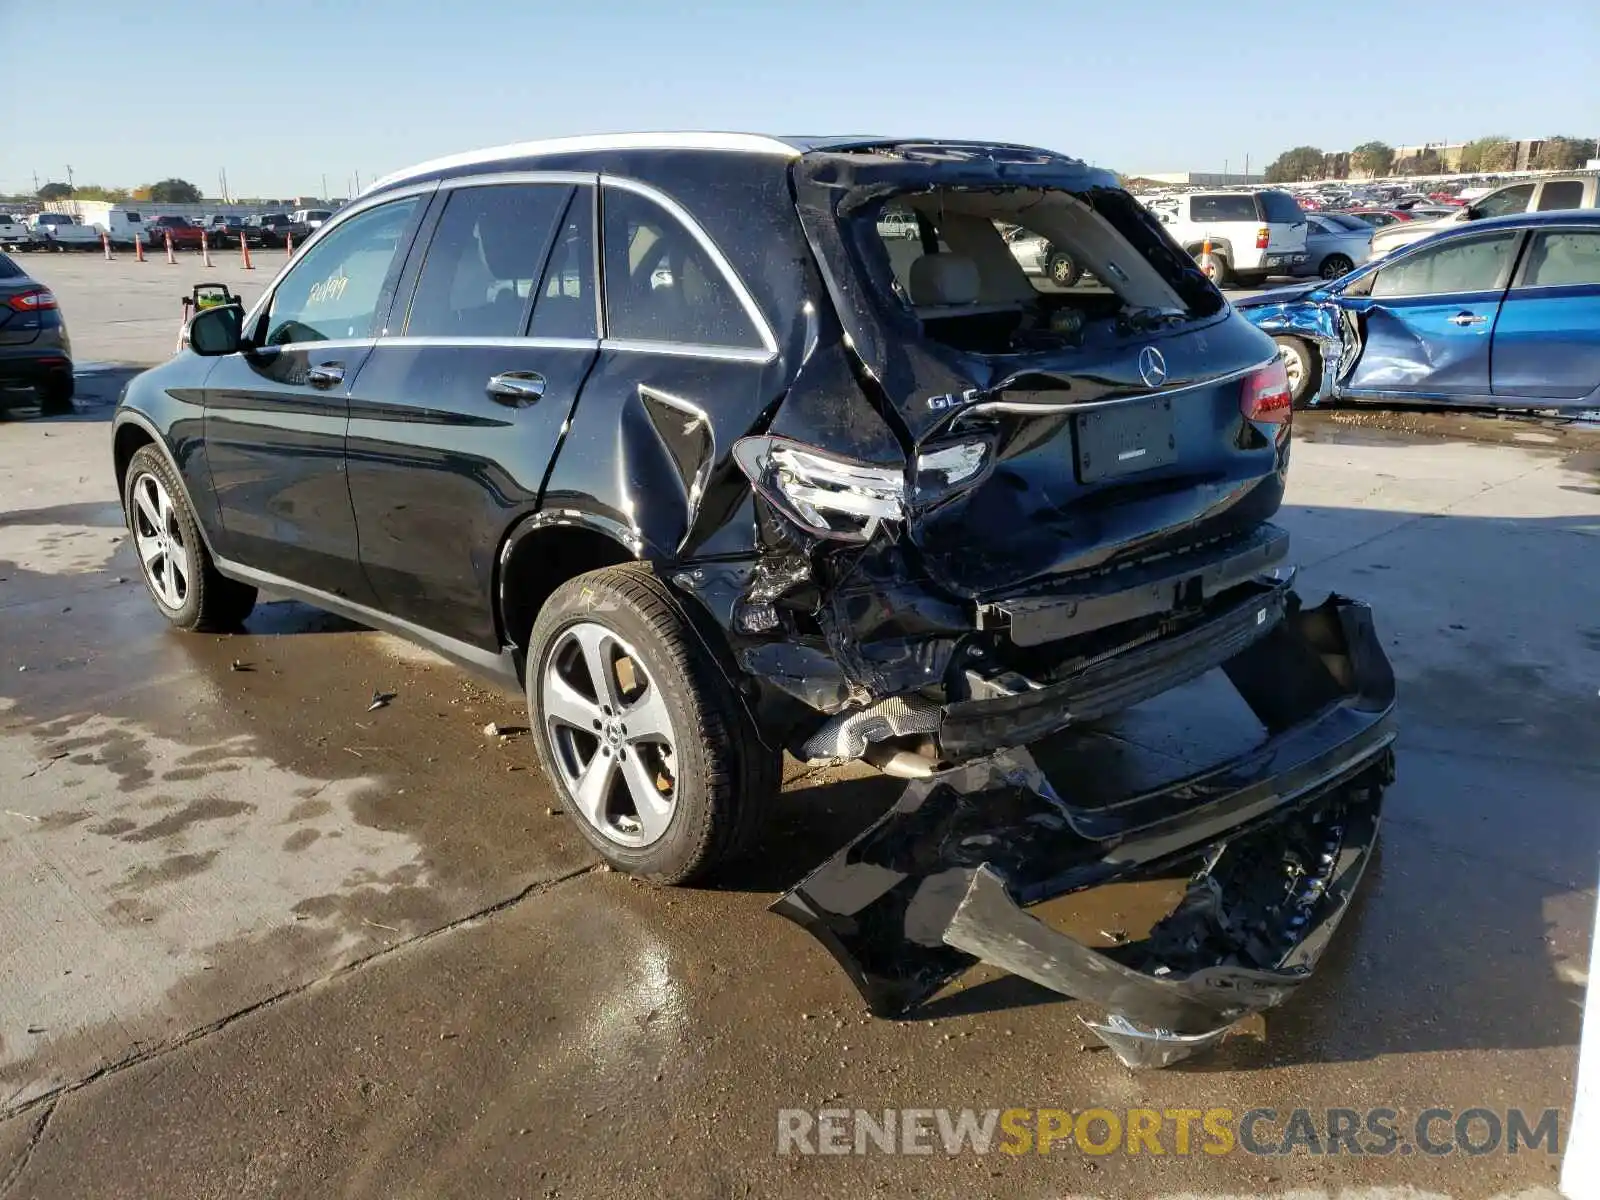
(1216, 267)
(195, 596)
(692, 746)
(1303, 366)
(55, 394)
(1060, 268)
(1335, 265)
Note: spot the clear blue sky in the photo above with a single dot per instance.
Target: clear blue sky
(128, 91)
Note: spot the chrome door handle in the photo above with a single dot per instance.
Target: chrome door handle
(325, 375)
(1467, 318)
(515, 387)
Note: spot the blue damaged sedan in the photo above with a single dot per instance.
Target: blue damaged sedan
(1503, 313)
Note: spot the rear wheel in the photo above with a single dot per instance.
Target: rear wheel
(1335, 265)
(1300, 365)
(1061, 268)
(55, 393)
(639, 728)
(186, 587)
(1215, 266)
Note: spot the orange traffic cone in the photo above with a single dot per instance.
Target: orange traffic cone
(138, 247)
(205, 250)
(105, 244)
(288, 244)
(171, 259)
(244, 253)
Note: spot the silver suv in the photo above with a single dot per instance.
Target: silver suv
(1531, 195)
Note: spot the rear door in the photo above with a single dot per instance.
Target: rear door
(455, 415)
(276, 414)
(1429, 317)
(1547, 341)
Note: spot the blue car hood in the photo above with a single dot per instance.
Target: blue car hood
(1283, 295)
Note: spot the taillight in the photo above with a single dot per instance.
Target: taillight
(35, 301)
(1263, 238)
(1266, 396)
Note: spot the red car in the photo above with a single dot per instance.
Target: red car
(185, 233)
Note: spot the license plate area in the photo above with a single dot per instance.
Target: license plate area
(1124, 440)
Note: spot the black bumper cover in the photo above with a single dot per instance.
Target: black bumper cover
(942, 881)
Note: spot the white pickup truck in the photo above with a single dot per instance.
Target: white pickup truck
(14, 233)
(58, 231)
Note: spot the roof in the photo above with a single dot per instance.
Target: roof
(733, 143)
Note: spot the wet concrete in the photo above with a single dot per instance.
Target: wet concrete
(263, 941)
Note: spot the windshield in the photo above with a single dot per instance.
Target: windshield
(1015, 269)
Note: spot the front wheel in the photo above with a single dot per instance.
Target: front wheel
(639, 728)
(187, 588)
(1335, 265)
(1299, 364)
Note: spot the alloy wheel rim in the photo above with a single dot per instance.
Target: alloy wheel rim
(611, 736)
(1294, 367)
(1061, 269)
(158, 537)
(1335, 267)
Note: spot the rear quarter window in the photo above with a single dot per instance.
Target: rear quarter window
(9, 268)
(1281, 208)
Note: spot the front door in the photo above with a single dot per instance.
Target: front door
(1427, 323)
(454, 419)
(277, 411)
(1547, 343)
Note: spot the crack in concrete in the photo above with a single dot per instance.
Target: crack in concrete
(50, 1099)
(14, 1176)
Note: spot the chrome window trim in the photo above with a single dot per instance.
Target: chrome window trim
(688, 350)
(365, 343)
(519, 343)
(675, 210)
(354, 208)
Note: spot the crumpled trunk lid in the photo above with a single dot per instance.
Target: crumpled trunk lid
(1128, 444)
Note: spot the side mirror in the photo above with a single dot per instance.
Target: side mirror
(213, 332)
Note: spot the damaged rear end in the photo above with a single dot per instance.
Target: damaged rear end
(991, 505)
(1271, 842)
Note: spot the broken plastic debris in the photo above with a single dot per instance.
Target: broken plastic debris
(380, 700)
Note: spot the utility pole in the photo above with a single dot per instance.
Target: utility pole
(1247, 167)
(69, 177)
(36, 183)
(324, 195)
(1225, 178)
(358, 185)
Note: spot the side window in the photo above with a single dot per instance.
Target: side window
(1478, 265)
(486, 253)
(332, 290)
(1505, 202)
(1234, 207)
(1563, 193)
(565, 307)
(661, 285)
(1563, 258)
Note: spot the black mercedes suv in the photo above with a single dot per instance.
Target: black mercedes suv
(664, 428)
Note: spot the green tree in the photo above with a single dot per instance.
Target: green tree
(1303, 162)
(1373, 158)
(94, 191)
(54, 191)
(174, 191)
(1562, 154)
(1494, 153)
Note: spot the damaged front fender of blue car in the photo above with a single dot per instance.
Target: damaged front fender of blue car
(1312, 313)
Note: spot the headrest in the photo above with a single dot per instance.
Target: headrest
(506, 249)
(938, 279)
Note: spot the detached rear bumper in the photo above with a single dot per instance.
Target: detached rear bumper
(944, 879)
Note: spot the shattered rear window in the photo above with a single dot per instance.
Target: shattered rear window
(1016, 269)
